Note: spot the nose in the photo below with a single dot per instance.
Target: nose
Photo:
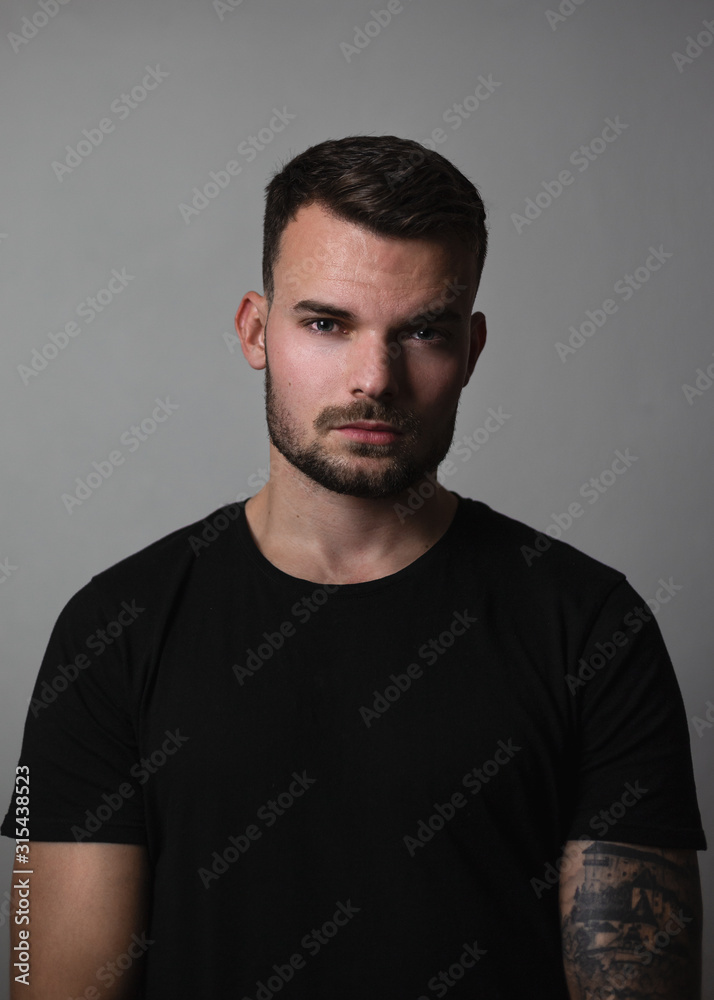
(372, 366)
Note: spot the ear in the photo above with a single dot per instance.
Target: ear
(251, 317)
(477, 343)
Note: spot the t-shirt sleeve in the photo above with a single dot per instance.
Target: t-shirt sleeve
(634, 780)
(79, 741)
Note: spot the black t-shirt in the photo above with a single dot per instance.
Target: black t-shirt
(358, 791)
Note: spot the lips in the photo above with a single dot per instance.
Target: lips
(370, 425)
(369, 432)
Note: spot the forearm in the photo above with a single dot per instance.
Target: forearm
(631, 922)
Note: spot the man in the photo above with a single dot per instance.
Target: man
(358, 736)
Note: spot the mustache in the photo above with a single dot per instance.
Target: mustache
(335, 416)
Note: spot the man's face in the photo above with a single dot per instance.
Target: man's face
(371, 331)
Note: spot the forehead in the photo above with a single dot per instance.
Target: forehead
(319, 248)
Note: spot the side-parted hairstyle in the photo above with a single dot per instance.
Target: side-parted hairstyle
(393, 187)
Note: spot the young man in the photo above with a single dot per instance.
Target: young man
(359, 736)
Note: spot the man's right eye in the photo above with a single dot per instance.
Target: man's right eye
(321, 324)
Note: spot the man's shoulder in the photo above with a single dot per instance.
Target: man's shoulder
(174, 555)
(524, 552)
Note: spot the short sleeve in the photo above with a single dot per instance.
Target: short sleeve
(634, 775)
(79, 740)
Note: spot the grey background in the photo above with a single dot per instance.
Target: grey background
(163, 335)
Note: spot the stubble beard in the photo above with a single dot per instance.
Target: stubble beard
(395, 472)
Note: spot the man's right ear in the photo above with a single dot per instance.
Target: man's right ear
(251, 317)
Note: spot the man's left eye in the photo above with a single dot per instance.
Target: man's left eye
(427, 334)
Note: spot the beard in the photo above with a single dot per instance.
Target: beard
(394, 473)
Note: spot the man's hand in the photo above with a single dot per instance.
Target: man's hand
(85, 903)
(631, 921)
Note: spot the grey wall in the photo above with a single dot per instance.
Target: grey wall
(64, 231)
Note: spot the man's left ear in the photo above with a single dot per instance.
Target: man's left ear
(477, 342)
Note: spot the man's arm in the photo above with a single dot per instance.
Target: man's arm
(631, 921)
(85, 902)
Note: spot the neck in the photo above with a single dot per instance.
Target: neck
(314, 534)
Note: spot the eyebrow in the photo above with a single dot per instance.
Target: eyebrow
(325, 308)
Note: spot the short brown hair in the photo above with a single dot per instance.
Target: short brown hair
(391, 186)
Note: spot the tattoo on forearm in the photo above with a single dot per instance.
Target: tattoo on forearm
(631, 924)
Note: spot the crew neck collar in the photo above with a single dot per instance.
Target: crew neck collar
(418, 566)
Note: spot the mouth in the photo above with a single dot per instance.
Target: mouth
(369, 431)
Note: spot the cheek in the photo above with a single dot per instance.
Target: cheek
(301, 373)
